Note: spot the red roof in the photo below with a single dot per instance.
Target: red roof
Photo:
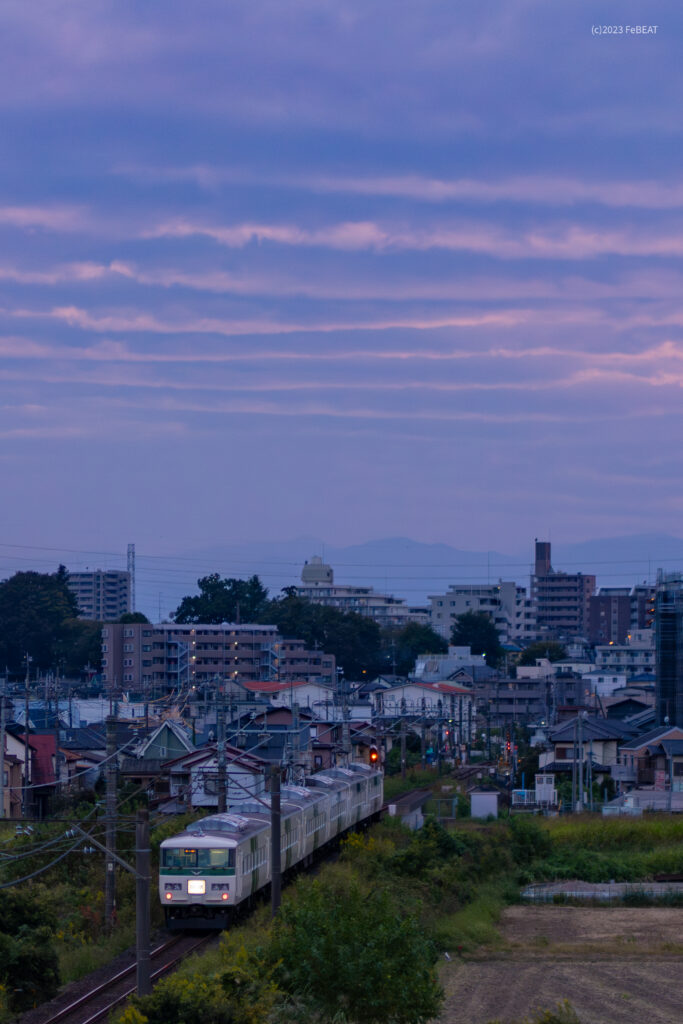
(442, 687)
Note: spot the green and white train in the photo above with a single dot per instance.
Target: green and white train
(217, 865)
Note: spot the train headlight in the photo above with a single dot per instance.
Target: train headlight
(196, 886)
(224, 895)
(169, 895)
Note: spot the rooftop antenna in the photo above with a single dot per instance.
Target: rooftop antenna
(131, 574)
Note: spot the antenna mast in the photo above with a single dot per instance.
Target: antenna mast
(131, 574)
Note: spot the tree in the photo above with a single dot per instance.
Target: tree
(477, 631)
(29, 965)
(34, 609)
(403, 646)
(80, 644)
(130, 618)
(354, 956)
(223, 600)
(549, 649)
(241, 992)
(354, 640)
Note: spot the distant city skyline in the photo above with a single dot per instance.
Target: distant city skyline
(401, 567)
(342, 270)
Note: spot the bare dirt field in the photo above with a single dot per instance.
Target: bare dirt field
(615, 965)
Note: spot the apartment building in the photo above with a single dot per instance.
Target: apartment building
(669, 645)
(560, 600)
(318, 586)
(103, 595)
(505, 602)
(158, 659)
(634, 657)
(617, 611)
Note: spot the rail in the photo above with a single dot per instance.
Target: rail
(84, 1009)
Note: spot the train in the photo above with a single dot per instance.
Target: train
(213, 870)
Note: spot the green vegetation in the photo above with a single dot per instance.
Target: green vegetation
(29, 968)
(477, 631)
(354, 640)
(39, 617)
(347, 953)
(224, 600)
(549, 649)
(358, 644)
(339, 951)
(402, 646)
(597, 849)
(56, 920)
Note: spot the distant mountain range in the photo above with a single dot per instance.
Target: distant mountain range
(412, 570)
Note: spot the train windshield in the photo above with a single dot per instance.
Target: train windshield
(186, 857)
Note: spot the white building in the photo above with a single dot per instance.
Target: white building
(505, 602)
(318, 586)
(636, 657)
(603, 683)
(194, 778)
(431, 668)
(453, 706)
(102, 595)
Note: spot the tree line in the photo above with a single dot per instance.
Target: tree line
(39, 617)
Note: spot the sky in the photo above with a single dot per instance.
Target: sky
(350, 269)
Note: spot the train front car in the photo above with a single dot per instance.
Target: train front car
(198, 881)
(220, 862)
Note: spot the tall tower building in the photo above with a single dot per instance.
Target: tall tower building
(560, 600)
(669, 640)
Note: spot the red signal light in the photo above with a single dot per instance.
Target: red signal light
(374, 755)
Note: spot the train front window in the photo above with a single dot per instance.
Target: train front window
(187, 858)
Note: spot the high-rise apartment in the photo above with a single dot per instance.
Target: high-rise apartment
(102, 595)
(669, 643)
(560, 600)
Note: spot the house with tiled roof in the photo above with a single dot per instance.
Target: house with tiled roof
(640, 758)
(193, 778)
(585, 737)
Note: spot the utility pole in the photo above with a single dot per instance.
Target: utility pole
(580, 802)
(142, 885)
(275, 841)
(110, 826)
(346, 727)
(574, 768)
(403, 747)
(27, 751)
(220, 753)
(142, 892)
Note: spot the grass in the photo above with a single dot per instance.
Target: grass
(75, 961)
(476, 924)
(416, 778)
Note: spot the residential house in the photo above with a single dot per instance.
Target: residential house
(585, 738)
(640, 757)
(193, 779)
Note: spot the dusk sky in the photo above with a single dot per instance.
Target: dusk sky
(346, 269)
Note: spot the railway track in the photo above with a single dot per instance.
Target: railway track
(98, 1002)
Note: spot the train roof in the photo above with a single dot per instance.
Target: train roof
(231, 828)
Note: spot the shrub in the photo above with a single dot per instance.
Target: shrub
(354, 956)
(29, 968)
